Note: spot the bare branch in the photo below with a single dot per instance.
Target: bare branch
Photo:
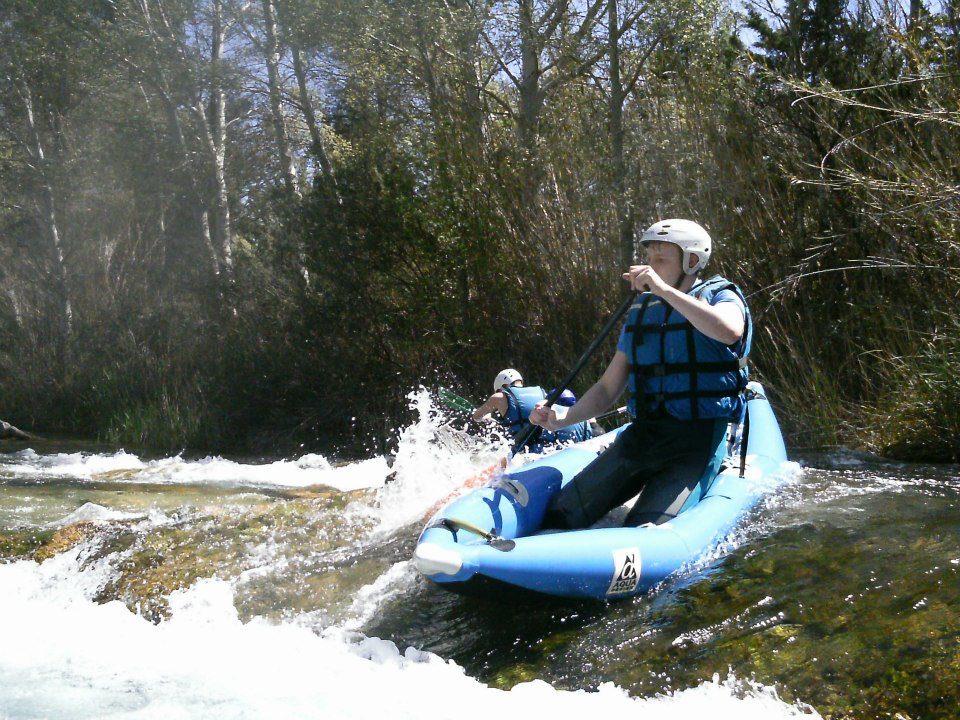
(632, 84)
(498, 59)
(549, 24)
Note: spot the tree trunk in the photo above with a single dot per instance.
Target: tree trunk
(915, 8)
(48, 215)
(9, 431)
(531, 104)
(194, 199)
(469, 49)
(15, 304)
(215, 137)
(318, 148)
(531, 97)
(622, 209)
(272, 55)
(953, 24)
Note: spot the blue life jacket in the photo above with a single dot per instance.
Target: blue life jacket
(520, 403)
(676, 368)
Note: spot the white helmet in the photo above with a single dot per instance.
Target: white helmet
(687, 235)
(506, 377)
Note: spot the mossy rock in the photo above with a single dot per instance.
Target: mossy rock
(40, 545)
(219, 544)
(513, 675)
(170, 560)
(21, 544)
(66, 538)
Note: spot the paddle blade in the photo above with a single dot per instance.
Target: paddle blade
(454, 401)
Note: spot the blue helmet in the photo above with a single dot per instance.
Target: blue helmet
(567, 398)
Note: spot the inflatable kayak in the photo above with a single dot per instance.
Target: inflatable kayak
(490, 538)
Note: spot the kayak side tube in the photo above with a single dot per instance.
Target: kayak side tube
(507, 507)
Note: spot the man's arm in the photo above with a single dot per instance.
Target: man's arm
(497, 401)
(723, 322)
(601, 396)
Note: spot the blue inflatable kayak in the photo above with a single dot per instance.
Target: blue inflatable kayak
(490, 538)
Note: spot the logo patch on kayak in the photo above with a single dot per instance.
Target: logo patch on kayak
(626, 571)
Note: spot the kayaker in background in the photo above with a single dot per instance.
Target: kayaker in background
(682, 354)
(511, 403)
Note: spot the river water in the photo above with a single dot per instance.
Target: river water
(174, 588)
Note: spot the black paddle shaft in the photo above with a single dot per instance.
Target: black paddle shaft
(531, 432)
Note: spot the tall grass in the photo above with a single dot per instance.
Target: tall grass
(918, 417)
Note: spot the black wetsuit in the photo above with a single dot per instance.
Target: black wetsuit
(663, 459)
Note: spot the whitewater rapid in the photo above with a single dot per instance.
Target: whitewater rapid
(68, 653)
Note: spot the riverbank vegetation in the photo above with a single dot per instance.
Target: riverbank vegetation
(259, 225)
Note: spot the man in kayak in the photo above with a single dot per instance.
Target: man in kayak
(512, 403)
(682, 354)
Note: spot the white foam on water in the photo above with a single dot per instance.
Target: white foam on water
(29, 463)
(771, 489)
(93, 513)
(123, 467)
(64, 655)
(841, 458)
(432, 460)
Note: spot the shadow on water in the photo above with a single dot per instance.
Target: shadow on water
(498, 640)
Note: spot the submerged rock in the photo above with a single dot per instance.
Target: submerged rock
(66, 538)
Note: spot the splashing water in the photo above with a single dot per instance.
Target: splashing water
(433, 459)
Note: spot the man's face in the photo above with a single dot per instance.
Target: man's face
(665, 258)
